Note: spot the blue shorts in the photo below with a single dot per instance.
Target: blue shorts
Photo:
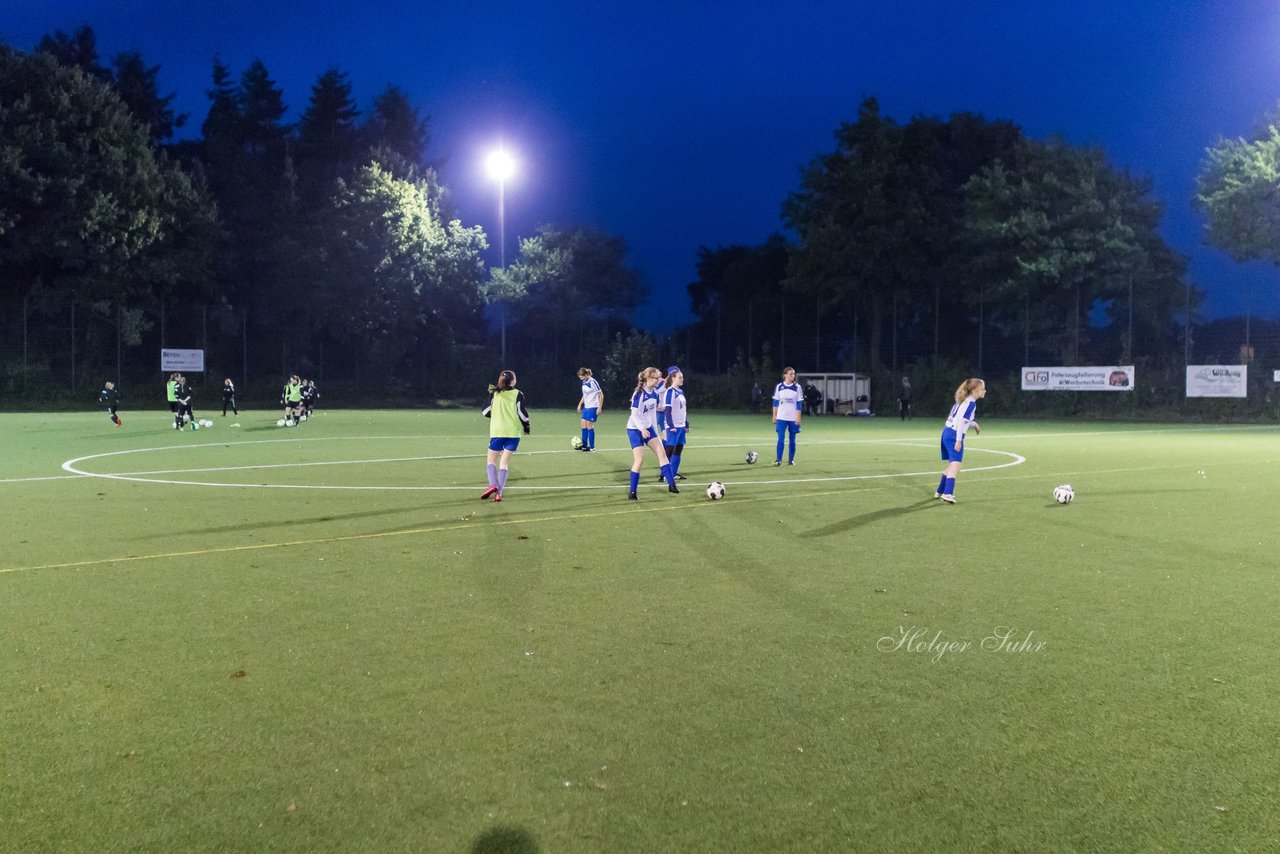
(674, 437)
(590, 414)
(500, 444)
(949, 452)
(634, 436)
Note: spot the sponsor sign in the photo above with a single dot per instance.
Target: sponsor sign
(1086, 378)
(1217, 380)
(182, 360)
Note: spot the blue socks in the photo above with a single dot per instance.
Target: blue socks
(942, 485)
(675, 464)
(586, 438)
(668, 474)
(491, 471)
(948, 486)
(635, 481)
(591, 438)
(502, 479)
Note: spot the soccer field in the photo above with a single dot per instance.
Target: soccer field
(319, 638)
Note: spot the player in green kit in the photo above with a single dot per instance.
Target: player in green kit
(292, 401)
(508, 418)
(171, 392)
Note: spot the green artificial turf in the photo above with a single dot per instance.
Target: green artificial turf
(229, 647)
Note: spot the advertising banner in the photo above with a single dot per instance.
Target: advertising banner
(182, 360)
(1217, 380)
(1089, 378)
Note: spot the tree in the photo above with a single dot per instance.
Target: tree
(137, 86)
(133, 80)
(395, 126)
(89, 213)
(390, 272)
(877, 219)
(1061, 232)
(80, 49)
(328, 138)
(737, 298)
(566, 283)
(1238, 189)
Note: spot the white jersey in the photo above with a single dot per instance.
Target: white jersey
(676, 409)
(789, 401)
(962, 415)
(644, 412)
(590, 393)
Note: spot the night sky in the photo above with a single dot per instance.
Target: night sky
(677, 125)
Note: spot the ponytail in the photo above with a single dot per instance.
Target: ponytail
(506, 382)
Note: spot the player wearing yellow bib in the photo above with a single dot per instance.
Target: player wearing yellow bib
(171, 394)
(508, 418)
(292, 400)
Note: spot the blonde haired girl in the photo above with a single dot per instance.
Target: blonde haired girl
(963, 416)
(642, 430)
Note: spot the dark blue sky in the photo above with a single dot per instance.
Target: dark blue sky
(676, 124)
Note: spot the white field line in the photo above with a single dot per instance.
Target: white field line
(71, 467)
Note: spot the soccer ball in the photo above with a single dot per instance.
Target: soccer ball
(1063, 494)
(302, 418)
(752, 456)
(576, 443)
(715, 491)
(280, 423)
(206, 423)
(195, 426)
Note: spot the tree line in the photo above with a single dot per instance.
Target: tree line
(955, 244)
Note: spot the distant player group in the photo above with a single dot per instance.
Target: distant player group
(658, 421)
(298, 397)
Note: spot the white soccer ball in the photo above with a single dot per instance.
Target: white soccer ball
(1063, 493)
(752, 456)
(715, 491)
(303, 418)
(576, 443)
(280, 423)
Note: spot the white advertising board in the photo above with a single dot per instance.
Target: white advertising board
(1217, 380)
(1082, 378)
(182, 360)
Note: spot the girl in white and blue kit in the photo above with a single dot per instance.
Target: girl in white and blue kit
(788, 405)
(642, 430)
(963, 416)
(673, 419)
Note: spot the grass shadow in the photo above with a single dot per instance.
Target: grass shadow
(288, 523)
(855, 522)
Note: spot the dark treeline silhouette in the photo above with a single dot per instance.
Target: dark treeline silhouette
(326, 246)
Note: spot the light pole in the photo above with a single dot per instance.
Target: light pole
(501, 166)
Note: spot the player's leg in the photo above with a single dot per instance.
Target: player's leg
(504, 466)
(664, 465)
(781, 428)
(491, 471)
(792, 429)
(637, 461)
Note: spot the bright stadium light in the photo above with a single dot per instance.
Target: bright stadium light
(501, 165)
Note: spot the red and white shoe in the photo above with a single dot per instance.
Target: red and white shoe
(488, 492)
(497, 496)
